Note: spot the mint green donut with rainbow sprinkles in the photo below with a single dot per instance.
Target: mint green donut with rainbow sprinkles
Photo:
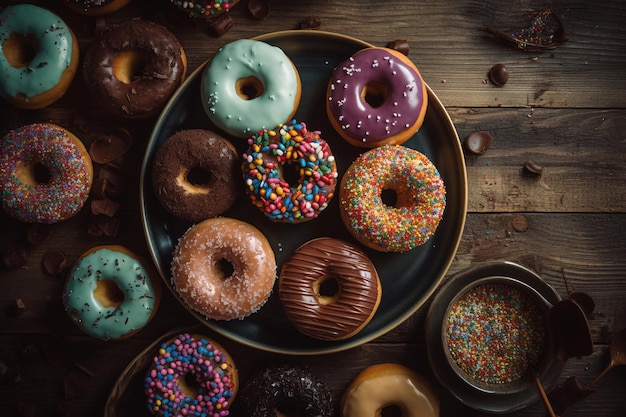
(109, 293)
(250, 86)
(38, 56)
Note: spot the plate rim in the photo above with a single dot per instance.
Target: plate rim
(433, 100)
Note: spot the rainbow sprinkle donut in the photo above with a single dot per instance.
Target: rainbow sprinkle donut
(420, 198)
(45, 173)
(167, 385)
(290, 146)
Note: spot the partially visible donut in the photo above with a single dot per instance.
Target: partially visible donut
(249, 86)
(388, 385)
(111, 293)
(191, 375)
(96, 7)
(392, 226)
(290, 146)
(196, 174)
(45, 173)
(286, 390)
(133, 68)
(38, 56)
(223, 268)
(204, 8)
(376, 97)
(353, 293)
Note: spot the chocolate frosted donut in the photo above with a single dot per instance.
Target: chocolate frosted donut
(196, 175)
(133, 68)
(288, 390)
(329, 288)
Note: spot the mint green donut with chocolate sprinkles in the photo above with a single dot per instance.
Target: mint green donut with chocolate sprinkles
(109, 293)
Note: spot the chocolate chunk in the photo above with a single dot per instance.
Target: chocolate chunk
(19, 306)
(103, 226)
(54, 262)
(311, 22)
(498, 75)
(533, 168)
(108, 147)
(520, 223)
(104, 206)
(400, 45)
(259, 8)
(15, 257)
(220, 25)
(117, 182)
(37, 233)
(478, 142)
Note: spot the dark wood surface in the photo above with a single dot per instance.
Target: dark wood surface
(564, 108)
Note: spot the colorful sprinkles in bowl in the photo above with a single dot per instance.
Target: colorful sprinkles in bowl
(495, 333)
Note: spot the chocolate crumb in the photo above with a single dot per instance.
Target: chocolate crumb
(259, 8)
(478, 142)
(19, 306)
(533, 168)
(313, 23)
(400, 45)
(220, 25)
(104, 206)
(15, 257)
(520, 223)
(498, 75)
(54, 262)
(37, 233)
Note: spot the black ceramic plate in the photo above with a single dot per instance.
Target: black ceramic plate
(408, 279)
(492, 400)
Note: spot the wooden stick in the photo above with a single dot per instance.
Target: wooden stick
(544, 397)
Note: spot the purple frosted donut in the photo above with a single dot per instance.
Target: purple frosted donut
(376, 97)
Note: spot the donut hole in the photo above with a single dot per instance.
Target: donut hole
(189, 384)
(249, 88)
(108, 294)
(291, 173)
(389, 197)
(288, 408)
(128, 65)
(375, 94)
(391, 410)
(34, 173)
(199, 177)
(20, 50)
(327, 290)
(225, 268)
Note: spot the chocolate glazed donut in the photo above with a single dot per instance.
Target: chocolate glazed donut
(291, 390)
(196, 174)
(133, 68)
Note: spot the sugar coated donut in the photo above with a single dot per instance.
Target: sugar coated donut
(420, 198)
(204, 8)
(290, 146)
(191, 376)
(196, 174)
(133, 68)
(38, 56)
(352, 292)
(110, 293)
(45, 173)
(224, 268)
(376, 97)
(249, 86)
(286, 390)
(388, 384)
(96, 7)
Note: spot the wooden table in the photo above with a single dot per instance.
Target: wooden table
(564, 108)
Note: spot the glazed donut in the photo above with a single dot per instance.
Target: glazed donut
(96, 7)
(348, 305)
(290, 146)
(133, 68)
(208, 157)
(202, 264)
(286, 390)
(388, 384)
(249, 86)
(191, 376)
(376, 97)
(110, 292)
(420, 198)
(204, 8)
(45, 173)
(38, 56)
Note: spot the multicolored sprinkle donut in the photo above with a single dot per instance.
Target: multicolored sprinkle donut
(249, 86)
(376, 97)
(30, 31)
(209, 394)
(290, 146)
(204, 8)
(45, 173)
(420, 198)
